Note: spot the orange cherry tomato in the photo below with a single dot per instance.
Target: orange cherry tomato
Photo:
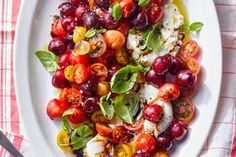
(136, 127)
(78, 116)
(161, 154)
(146, 142)
(193, 65)
(183, 110)
(103, 130)
(71, 96)
(189, 49)
(80, 73)
(114, 39)
(120, 135)
(58, 30)
(99, 70)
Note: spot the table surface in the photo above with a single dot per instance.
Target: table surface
(222, 139)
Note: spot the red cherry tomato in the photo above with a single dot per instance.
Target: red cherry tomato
(146, 142)
(103, 130)
(55, 108)
(136, 127)
(71, 96)
(63, 60)
(80, 73)
(81, 59)
(155, 14)
(153, 112)
(126, 7)
(78, 116)
(120, 135)
(58, 30)
(184, 110)
(189, 49)
(99, 70)
(169, 91)
(193, 65)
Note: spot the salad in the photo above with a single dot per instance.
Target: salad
(125, 71)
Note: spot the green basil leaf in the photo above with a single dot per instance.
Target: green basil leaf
(106, 106)
(67, 113)
(103, 30)
(184, 28)
(155, 41)
(116, 11)
(124, 79)
(145, 33)
(142, 3)
(90, 33)
(132, 31)
(80, 136)
(196, 26)
(65, 123)
(48, 60)
(125, 106)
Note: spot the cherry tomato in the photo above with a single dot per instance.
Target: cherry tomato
(98, 117)
(103, 88)
(98, 46)
(114, 39)
(99, 70)
(126, 7)
(79, 34)
(80, 73)
(63, 60)
(69, 73)
(161, 154)
(169, 91)
(123, 150)
(136, 127)
(55, 108)
(189, 48)
(78, 116)
(82, 59)
(120, 135)
(63, 141)
(193, 65)
(155, 14)
(103, 130)
(153, 112)
(183, 109)
(71, 96)
(122, 56)
(146, 142)
(58, 30)
(81, 48)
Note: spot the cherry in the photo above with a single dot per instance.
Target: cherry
(141, 21)
(91, 105)
(59, 80)
(161, 65)
(69, 24)
(57, 46)
(66, 9)
(155, 14)
(177, 65)
(186, 78)
(164, 142)
(79, 12)
(63, 60)
(154, 79)
(177, 130)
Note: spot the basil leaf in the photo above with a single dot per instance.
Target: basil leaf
(125, 106)
(48, 60)
(116, 11)
(145, 33)
(124, 79)
(155, 41)
(90, 33)
(106, 107)
(80, 136)
(65, 123)
(184, 28)
(196, 26)
(142, 3)
(103, 30)
(132, 31)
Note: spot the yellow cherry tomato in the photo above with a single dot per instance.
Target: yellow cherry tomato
(81, 48)
(114, 39)
(133, 146)
(161, 154)
(69, 73)
(79, 34)
(123, 150)
(103, 88)
(122, 56)
(63, 141)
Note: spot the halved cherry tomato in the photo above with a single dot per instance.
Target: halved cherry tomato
(121, 135)
(189, 48)
(98, 46)
(80, 73)
(138, 126)
(99, 70)
(79, 34)
(69, 73)
(71, 96)
(63, 141)
(123, 150)
(122, 56)
(126, 7)
(78, 116)
(58, 30)
(81, 48)
(193, 65)
(161, 154)
(114, 39)
(169, 91)
(183, 109)
(56, 108)
(146, 142)
(155, 14)
(103, 88)
(81, 59)
(103, 130)
(98, 117)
